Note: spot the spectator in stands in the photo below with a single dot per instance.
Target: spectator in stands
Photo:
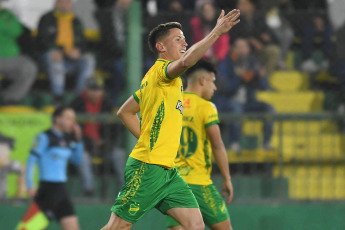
(175, 12)
(240, 75)
(61, 40)
(14, 66)
(282, 31)
(8, 166)
(112, 21)
(261, 38)
(335, 11)
(105, 3)
(202, 24)
(188, 5)
(309, 4)
(93, 101)
(226, 4)
(316, 44)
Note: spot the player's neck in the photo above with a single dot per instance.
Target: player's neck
(165, 56)
(57, 129)
(194, 89)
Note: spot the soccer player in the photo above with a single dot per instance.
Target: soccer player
(200, 139)
(150, 177)
(52, 150)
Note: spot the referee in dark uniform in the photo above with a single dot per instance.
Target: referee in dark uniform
(51, 151)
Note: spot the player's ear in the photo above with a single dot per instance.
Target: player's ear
(202, 80)
(160, 47)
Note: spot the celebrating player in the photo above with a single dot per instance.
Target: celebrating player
(150, 178)
(200, 138)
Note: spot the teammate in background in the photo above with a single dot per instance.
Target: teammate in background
(151, 179)
(200, 138)
(52, 150)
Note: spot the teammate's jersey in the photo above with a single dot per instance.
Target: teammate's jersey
(160, 101)
(194, 161)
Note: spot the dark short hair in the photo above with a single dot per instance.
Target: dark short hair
(160, 31)
(59, 110)
(201, 65)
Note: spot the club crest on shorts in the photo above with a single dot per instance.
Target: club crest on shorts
(179, 106)
(133, 209)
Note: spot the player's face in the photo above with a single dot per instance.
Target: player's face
(209, 86)
(94, 94)
(241, 48)
(66, 121)
(175, 44)
(245, 6)
(63, 6)
(208, 12)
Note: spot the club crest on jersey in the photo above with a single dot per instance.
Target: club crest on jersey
(133, 208)
(179, 106)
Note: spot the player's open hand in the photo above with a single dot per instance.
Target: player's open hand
(228, 191)
(226, 22)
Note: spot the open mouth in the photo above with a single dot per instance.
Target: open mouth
(182, 51)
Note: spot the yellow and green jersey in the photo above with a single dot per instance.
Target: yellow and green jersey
(193, 160)
(160, 101)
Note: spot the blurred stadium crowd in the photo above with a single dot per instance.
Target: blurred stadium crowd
(286, 56)
(59, 53)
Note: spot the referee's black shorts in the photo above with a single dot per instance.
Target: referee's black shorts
(53, 200)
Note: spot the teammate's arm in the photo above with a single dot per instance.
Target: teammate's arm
(128, 115)
(198, 50)
(221, 158)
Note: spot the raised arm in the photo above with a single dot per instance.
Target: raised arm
(221, 158)
(197, 51)
(128, 115)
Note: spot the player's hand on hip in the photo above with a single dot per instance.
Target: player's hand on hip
(226, 22)
(228, 191)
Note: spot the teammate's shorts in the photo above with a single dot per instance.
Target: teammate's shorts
(148, 186)
(53, 200)
(211, 203)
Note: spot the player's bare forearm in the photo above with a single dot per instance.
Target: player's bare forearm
(222, 162)
(132, 124)
(198, 50)
(128, 115)
(219, 153)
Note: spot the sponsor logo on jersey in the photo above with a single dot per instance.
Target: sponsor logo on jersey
(179, 106)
